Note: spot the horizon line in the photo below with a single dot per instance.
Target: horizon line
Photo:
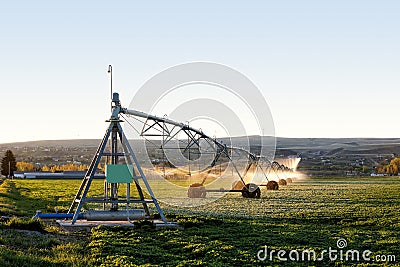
(282, 137)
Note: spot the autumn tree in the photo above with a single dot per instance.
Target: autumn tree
(65, 167)
(8, 164)
(391, 168)
(395, 165)
(365, 169)
(25, 166)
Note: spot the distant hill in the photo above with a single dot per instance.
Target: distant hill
(345, 146)
(54, 143)
(326, 146)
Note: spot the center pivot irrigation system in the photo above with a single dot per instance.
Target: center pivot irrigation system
(122, 169)
(191, 144)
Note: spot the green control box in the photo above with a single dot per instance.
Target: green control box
(119, 173)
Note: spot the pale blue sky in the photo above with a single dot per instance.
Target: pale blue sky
(326, 68)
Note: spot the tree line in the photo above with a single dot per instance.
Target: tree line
(27, 167)
(9, 165)
(391, 168)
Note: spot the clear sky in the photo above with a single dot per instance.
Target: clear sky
(326, 68)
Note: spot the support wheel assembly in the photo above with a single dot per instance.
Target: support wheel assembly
(251, 191)
(196, 190)
(272, 185)
(282, 182)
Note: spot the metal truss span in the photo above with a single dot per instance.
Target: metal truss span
(168, 130)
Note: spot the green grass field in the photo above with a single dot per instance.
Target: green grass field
(312, 214)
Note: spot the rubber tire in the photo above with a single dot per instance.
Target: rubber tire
(251, 191)
(196, 192)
